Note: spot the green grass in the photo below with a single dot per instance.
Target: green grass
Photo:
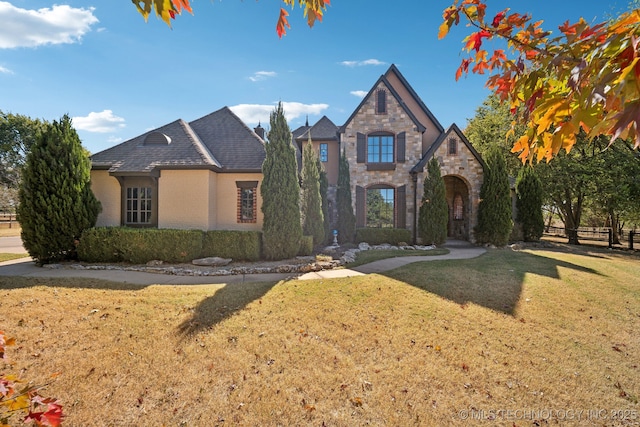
(9, 257)
(365, 257)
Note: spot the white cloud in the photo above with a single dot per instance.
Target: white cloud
(31, 27)
(362, 63)
(102, 122)
(262, 75)
(114, 140)
(359, 93)
(5, 70)
(251, 114)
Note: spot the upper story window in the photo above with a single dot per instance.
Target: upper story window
(138, 205)
(453, 146)
(380, 149)
(324, 152)
(381, 101)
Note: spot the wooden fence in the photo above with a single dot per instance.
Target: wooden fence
(597, 234)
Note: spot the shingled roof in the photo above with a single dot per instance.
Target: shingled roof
(323, 130)
(219, 141)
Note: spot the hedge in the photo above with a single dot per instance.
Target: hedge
(377, 236)
(306, 246)
(138, 246)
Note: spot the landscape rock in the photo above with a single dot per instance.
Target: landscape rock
(213, 261)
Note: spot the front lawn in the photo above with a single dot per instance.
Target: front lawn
(540, 331)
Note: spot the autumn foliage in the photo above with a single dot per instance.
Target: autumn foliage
(22, 401)
(588, 76)
(167, 10)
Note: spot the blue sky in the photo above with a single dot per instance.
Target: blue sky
(117, 76)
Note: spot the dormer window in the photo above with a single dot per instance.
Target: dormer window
(381, 101)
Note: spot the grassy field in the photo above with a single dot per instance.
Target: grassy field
(538, 334)
(366, 257)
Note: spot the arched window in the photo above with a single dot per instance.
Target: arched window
(458, 207)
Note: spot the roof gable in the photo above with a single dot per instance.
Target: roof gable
(323, 130)
(396, 96)
(419, 167)
(412, 93)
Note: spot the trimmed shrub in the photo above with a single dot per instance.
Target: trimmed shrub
(138, 246)
(377, 236)
(237, 245)
(306, 246)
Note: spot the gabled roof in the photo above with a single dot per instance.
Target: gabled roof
(219, 141)
(438, 142)
(397, 97)
(144, 153)
(323, 130)
(393, 69)
(236, 146)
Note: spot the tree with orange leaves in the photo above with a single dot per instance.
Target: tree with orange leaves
(586, 77)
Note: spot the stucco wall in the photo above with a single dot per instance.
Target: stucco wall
(227, 198)
(333, 160)
(183, 199)
(107, 189)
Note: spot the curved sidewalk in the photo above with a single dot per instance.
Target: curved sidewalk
(25, 267)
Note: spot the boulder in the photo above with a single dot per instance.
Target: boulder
(213, 261)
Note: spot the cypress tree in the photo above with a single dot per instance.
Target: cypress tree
(311, 204)
(346, 218)
(494, 212)
(434, 212)
(324, 189)
(529, 204)
(280, 191)
(56, 201)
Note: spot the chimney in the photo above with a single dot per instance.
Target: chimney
(259, 130)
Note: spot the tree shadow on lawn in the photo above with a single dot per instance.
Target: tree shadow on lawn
(493, 280)
(21, 282)
(224, 303)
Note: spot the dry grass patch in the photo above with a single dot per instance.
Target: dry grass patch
(10, 232)
(510, 330)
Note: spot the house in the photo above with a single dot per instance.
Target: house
(206, 174)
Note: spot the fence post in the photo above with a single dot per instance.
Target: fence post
(610, 238)
(631, 235)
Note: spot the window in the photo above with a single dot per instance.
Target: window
(458, 207)
(138, 205)
(380, 207)
(247, 201)
(381, 101)
(380, 149)
(324, 152)
(453, 146)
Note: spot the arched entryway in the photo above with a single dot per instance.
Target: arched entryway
(458, 202)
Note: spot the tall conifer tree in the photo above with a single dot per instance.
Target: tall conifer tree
(529, 204)
(434, 212)
(346, 218)
(56, 201)
(280, 192)
(311, 204)
(494, 212)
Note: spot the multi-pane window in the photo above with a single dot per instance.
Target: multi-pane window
(324, 152)
(247, 204)
(247, 201)
(138, 205)
(380, 207)
(380, 149)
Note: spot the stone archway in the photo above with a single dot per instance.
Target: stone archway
(458, 201)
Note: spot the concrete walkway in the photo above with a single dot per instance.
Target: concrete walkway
(26, 267)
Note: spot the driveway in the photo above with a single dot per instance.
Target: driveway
(11, 245)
